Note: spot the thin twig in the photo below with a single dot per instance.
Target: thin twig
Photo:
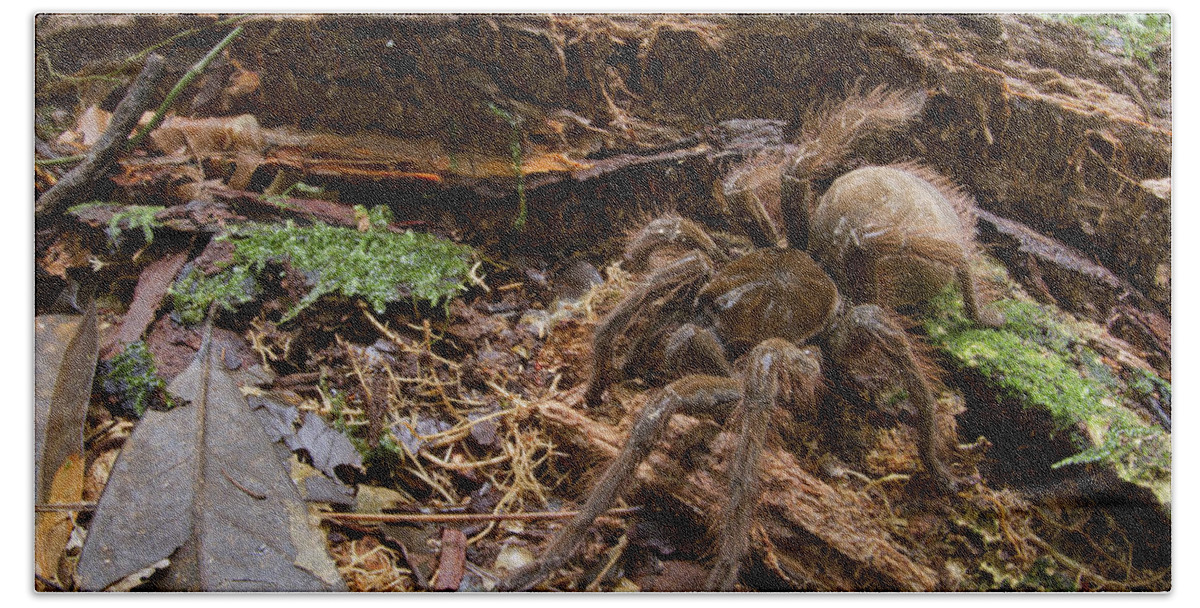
(457, 518)
(462, 466)
(80, 180)
(65, 507)
(183, 83)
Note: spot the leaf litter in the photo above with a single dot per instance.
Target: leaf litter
(66, 348)
(202, 479)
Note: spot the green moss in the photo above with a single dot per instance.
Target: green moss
(126, 217)
(1034, 323)
(377, 265)
(1028, 373)
(514, 148)
(1038, 361)
(1137, 33)
(192, 294)
(131, 381)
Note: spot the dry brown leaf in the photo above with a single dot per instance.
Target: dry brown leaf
(64, 254)
(53, 529)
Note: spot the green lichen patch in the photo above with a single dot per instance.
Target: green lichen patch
(374, 264)
(1137, 34)
(130, 382)
(1038, 361)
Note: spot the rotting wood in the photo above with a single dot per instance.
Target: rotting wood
(792, 497)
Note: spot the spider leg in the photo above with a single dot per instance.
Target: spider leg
(795, 205)
(741, 189)
(691, 349)
(691, 268)
(984, 316)
(692, 394)
(953, 255)
(670, 231)
(869, 323)
(772, 364)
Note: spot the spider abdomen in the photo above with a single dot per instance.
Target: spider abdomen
(915, 231)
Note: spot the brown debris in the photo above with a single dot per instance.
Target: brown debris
(453, 559)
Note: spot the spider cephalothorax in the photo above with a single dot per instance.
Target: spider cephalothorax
(725, 333)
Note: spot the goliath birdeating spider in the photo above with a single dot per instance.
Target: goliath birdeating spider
(756, 331)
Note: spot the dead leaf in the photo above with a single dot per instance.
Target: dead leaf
(53, 529)
(65, 253)
(65, 361)
(242, 82)
(147, 296)
(65, 352)
(200, 484)
(421, 558)
(328, 448)
(92, 123)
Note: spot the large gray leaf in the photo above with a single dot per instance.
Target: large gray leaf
(201, 485)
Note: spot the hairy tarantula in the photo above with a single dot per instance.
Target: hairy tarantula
(750, 333)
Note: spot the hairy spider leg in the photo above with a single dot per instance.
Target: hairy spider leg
(744, 188)
(670, 231)
(692, 349)
(795, 204)
(694, 394)
(690, 269)
(869, 324)
(773, 365)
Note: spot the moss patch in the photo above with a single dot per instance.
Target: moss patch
(375, 264)
(126, 217)
(1038, 361)
(1137, 33)
(192, 294)
(131, 383)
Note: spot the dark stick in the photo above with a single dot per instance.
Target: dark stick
(79, 182)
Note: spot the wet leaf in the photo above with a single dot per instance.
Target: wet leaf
(200, 484)
(147, 296)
